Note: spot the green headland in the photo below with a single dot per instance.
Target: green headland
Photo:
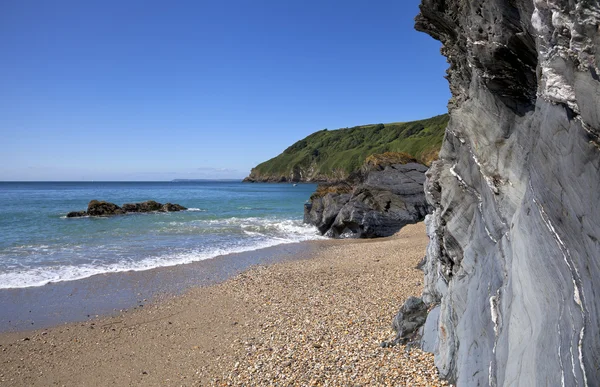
(331, 155)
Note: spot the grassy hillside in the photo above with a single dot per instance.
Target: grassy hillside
(333, 154)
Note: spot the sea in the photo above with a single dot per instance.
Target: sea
(40, 245)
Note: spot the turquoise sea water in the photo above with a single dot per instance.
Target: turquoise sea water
(38, 244)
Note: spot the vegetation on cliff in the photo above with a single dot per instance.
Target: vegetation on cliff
(333, 154)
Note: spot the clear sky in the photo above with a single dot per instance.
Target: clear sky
(158, 90)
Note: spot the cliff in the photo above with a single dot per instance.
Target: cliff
(513, 266)
(377, 201)
(332, 155)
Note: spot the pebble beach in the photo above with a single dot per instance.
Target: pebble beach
(312, 322)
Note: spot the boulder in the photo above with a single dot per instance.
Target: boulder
(322, 211)
(409, 320)
(378, 202)
(76, 214)
(170, 207)
(102, 208)
(131, 207)
(149, 206)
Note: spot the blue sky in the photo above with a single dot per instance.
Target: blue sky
(157, 90)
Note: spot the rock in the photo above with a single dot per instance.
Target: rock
(382, 201)
(514, 254)
(170, 207)
(101, 208)
(322, 211)
(76, 214)
(429, 336)
(408, 321)
(149, 206)
(131, 207)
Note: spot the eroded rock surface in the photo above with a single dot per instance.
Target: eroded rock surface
(377, 203)
(513, 264)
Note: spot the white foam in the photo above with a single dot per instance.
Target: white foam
(261, 233)
(196, 210)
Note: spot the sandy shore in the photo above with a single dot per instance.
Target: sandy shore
(317, 321)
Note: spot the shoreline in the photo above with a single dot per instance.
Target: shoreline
(104, 294)
(314, 321)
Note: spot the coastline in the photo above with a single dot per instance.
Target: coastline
(23, 309)
(316, 318)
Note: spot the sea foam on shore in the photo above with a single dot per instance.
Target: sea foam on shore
(245, 234)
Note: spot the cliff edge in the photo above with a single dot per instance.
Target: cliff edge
(333, 155)
(513, 265)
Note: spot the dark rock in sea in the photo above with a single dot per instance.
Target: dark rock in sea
(170, 207)
(131, 207)
(101, 208)
(409, 320)
(76, 214)
(514, 255)
(149, 206)
(377, 203)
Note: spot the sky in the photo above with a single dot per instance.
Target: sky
(160, 90)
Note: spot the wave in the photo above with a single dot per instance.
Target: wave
(196, 210)
(255, 234)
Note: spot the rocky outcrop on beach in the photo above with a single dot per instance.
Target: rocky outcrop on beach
(102, 208)
(512, 272)
(376, 202)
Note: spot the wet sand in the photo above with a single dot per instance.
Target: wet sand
(104, 294)
(314, 321)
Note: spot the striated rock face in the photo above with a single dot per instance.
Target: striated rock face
(513, 264)
(379, 203)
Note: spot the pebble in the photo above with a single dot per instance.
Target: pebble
(331, 326)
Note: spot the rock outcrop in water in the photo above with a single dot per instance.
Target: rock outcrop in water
(513, 265)
(377, 202)
(102, 208)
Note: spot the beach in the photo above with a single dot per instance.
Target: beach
(318, 320)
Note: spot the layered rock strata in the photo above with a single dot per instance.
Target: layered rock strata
(377, 202)
(513, 265)
(102, 208)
